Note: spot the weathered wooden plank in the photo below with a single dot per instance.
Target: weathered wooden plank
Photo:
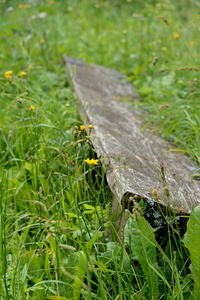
(137, 160)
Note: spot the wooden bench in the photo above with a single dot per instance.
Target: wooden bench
(136, 161)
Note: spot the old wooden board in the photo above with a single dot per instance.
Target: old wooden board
(134, 157)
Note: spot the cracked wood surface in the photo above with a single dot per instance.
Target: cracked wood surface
(118, 129)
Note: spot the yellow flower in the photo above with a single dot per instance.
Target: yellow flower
(51, 2)
(67, 104)
(154, 192)
(97, 5)
(20, 6)
(23, 74)
(42, 41)
(92, 161)
(82, 127)
(27, 5)
(32, 107)
(7, 74)
(176, 35)
(90, 126)
(192, 44)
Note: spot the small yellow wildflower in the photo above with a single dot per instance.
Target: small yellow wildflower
(67, 104)
(82, 127)
(7, 74)
(51, 2)
(192, 44)
(23, 74)
(154, 192)
(176, 35)
(27, 5)
(90, 126)
(20, 6)
(32, 107)
(92, 161)
(42, 41)
(97, 5)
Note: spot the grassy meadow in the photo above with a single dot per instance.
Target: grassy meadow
(54, 202)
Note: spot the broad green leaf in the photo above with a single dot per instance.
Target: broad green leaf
(13, 173)
(146, 90)
(90, 243)
(80, 274)
(168, 79)
(71, 215)
(140, 237)
(90, 207)
(115, 253)
(82, 265)
(47, 265)
(192, 243)
(30, 167)
(88, 212)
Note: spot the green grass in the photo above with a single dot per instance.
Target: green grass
(54, 207)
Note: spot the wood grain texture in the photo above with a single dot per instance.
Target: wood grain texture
(118, 129)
